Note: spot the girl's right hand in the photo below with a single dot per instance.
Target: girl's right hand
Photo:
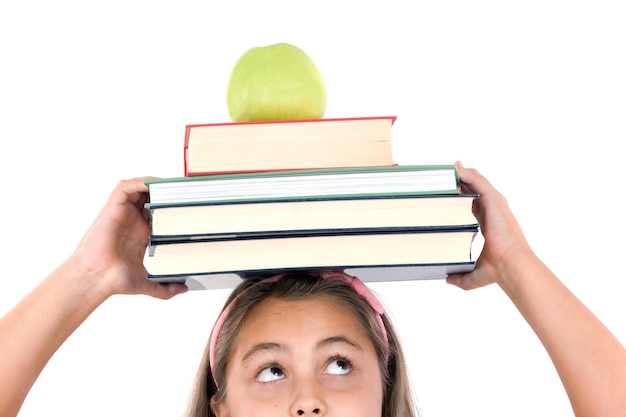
(111, 253)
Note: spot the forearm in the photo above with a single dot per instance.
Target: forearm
(35, 328)
(590, 361)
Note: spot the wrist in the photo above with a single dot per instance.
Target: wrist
(516, 267)
(89, 285)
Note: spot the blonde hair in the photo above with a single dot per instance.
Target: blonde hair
(397, 396)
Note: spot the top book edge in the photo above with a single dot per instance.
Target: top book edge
(306, 172)
(339, 119)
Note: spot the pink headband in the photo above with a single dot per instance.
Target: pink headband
(356, 283)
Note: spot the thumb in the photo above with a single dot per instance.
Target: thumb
(466, 281)
(164, 291)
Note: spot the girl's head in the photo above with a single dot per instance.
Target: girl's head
(301, 344)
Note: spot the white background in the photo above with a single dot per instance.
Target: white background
(530, 93)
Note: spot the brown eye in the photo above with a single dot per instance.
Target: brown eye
(339, 366)
(270, 373)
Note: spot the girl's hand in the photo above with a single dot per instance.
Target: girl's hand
(112, 251)
(503, 236)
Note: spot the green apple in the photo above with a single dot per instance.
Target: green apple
(275, 82)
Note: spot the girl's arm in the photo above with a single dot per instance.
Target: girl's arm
(108, 260)
(590, 361)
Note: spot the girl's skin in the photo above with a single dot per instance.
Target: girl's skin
(590, 361)
(302, 358)
(109, 260)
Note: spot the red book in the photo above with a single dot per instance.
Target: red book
(288, 144)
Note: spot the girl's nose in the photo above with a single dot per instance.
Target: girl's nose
(308, 399)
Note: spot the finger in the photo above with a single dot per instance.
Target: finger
(461, 281)
(470, 280)
(457, 280)
(474, 181)
(165, 291)
(463, 173)
(129, 190)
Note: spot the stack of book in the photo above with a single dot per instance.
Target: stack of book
(263, 197)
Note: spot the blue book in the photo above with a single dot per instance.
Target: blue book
(386, 254)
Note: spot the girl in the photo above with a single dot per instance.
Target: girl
(318, 344)
(291, 337)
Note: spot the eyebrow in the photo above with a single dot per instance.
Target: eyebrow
(262, 347)
(338, 339)
(277, 347)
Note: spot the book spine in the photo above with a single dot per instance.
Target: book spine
(156, 240)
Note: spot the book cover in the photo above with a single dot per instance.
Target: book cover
(384, 273)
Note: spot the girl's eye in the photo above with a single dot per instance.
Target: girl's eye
(269, 374)
(339, 366)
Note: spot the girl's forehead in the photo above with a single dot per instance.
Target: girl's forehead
(323, 313)
(300, 328)
(316, 302)
(327, 304)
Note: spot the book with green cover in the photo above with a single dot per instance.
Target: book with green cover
(305, 184)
